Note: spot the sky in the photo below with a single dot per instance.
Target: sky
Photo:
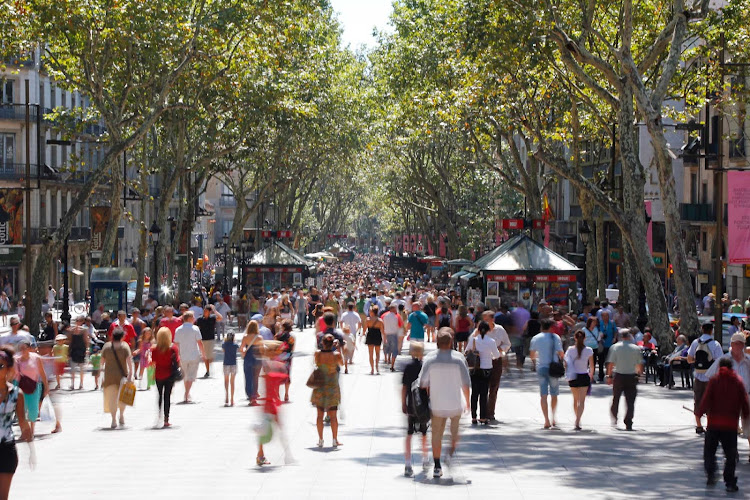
(359, 17)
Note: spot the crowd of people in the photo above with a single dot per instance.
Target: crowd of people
(396, 315)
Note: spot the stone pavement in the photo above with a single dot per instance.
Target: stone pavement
(210, 451)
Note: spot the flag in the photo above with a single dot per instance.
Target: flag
(547, 211)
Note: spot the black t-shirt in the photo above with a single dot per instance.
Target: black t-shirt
(430, 309)
(207, 326)
(411, 372)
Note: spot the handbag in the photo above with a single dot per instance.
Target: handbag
(556, 368)
(27, 384)
(315, 380)
(177, 374)
(472, 357)
(127, 388)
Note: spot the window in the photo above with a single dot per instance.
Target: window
(52, 97)
(704, 194)
(8, 153)
(693, 188)
(7, 97)
(704, 241)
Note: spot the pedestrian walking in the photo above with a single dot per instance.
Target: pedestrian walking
(275, 374)
(4, 308)
(286, 351)
(207, 326)
(165, 356)
(230, 347)
(413, 425)
(486, 349)
(702, 353)
(188, 339)
(545, 348)
(11, 405)
(78, 340)
(464, 325)
(250, 352)
(624, 365)
(579, 363)
(502, 341)
(117, 361)
(143, 354)
(724, 401)
(31, 379)
(374, 339)
(607, 337)
(445, 375)
(391, 325)
(300, 305)
(326, 398)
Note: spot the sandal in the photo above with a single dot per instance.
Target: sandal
(260, 461)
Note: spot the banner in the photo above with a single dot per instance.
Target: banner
(182, 247)
(99, 221)
(11, 217)
(738, 218)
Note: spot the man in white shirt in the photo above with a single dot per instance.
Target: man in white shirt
(398, 301)
(188, 339)
(351, 319)
(272, 302)
(225, 311)
(500, 336)
(445, 376)
(703, 353)
(196, 308)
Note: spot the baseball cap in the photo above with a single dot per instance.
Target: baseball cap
(61, 336)
(738, 337)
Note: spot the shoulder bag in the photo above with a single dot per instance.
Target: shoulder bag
(472, 357)
(177, 374)
(556, 368)
(316, 378)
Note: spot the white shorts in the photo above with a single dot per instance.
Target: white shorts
(208, 349)
(190, 370)
(230, 369)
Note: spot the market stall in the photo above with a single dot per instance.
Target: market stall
(277, 266)
(522, 271)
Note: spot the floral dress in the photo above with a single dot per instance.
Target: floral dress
(328, 395)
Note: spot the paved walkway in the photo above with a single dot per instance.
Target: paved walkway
(209, 453)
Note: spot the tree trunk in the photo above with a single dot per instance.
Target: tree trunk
(630, 282)
(140, 266)
(601, 275)
(592, 254)
(115, 215)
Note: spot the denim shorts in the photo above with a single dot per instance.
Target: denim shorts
(547, 385)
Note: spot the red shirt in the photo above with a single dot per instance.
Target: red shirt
(558, 328)
(172, 323)
(724, 400)
(129, 337)
(162, 361)
(273, 399)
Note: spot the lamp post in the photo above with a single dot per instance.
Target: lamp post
(155, 230)
(236, 252)
(585, 233)
(65, 316)
(225, 243)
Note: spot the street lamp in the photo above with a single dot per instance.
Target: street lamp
(154, 230)
(65, 316)
(225, 242)
(585, 233)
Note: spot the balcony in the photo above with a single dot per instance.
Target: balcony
(17, 172)
(737, 148)
(18, 112)
(227, 200)
(40, 234)
(697, 212)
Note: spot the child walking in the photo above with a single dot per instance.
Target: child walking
(96, 364)
(411, 374)
(60, 351)
(145, 343)
(230, 348)
(350, 345)
(275, 374)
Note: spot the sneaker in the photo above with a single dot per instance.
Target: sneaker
(408, 471)
(437, 472)
(732, 488)
(710, 480)
(426, 463)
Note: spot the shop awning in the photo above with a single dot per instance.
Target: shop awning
(468, 276)
(278, 254)
(522, 255)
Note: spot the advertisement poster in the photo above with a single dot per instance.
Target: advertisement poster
(738, 218)
(182, 248)
(99, 220)
(11, 215)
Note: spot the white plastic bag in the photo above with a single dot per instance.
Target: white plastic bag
(47, 412)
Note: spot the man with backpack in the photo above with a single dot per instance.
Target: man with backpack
(702, 353)
(417, 409)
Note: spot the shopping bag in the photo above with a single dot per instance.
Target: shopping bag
(151, 370)
(47, 412)
(127, 393)
(264, 429)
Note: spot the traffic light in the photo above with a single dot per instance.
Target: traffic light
(671, 270)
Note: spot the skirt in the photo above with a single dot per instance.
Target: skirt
(31, 403)
(462, 336)
(581, 380)
(374, 338)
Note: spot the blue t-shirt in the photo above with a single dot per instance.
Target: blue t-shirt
(547, 345)
(230, 353)
(609, 332)
(417, 320)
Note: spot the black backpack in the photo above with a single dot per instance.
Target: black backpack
(419, 403)
(445, 321)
